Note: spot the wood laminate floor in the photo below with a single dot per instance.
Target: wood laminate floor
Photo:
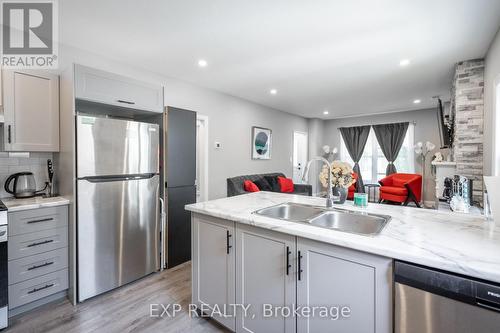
(126, 309)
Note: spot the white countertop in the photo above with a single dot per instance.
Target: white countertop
(450, 241)
(14, 205)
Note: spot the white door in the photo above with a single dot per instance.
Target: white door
(201, 158)
(299, 155)
(265, 275)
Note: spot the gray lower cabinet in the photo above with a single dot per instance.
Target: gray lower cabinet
(265, 279)
(213, 264)
(332, 288)
(357, 283)
(37, 256)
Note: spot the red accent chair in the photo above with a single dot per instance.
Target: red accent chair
(352, 188)
(402, 188)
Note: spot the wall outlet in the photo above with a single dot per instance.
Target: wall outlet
(217, 145)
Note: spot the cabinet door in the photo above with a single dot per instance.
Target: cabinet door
(104, 87)
(341, 278)
(213, 267)
(262, 278)
(31, 110)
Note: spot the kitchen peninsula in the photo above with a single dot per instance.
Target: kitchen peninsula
(243, 258)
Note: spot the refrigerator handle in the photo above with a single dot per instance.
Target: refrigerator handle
(163, 232)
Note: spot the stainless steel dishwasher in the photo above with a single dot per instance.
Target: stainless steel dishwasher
(433, 301)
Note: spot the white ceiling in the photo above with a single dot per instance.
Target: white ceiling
(320, 54)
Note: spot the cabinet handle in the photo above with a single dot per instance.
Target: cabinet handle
(288, 260)
(228, 235)
(40, 243)
(40, 266)
(41, 288)
(41, 220)
(9, 134)
(299, 271)
(125, 102)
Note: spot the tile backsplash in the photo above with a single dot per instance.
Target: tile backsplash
(17, 162)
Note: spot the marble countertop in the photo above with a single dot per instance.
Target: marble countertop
(450, 241)
(14, 205)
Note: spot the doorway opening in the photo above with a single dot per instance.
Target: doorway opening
(299, 159)
(201, 158)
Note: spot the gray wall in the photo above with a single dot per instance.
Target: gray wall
(426, 129)
(491, 116)
(229, 121)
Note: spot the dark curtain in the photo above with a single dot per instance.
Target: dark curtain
(355, 141)
(390, 137)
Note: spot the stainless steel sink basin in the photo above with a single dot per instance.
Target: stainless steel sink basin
(291, 212)
(350, 221)
(329, 218)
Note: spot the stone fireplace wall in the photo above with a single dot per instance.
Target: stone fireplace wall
(467, 105)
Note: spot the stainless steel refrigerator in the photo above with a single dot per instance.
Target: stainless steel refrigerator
(180, 178)
(118, 213)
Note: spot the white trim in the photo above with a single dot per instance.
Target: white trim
(293, 144)
(204, 119)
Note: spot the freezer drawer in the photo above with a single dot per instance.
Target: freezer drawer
(116, 147)
(118, 233)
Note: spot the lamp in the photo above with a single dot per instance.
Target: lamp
(422, 150)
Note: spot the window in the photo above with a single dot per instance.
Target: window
(373, 162)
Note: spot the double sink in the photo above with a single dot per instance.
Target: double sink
(329, 218)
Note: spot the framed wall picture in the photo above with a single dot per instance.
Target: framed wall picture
(261, 143)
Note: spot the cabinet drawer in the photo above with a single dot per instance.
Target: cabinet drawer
(42, 286)
(33, 220)
(99, 86)
(36, 265)
(37, 242)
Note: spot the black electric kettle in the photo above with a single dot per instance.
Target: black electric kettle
(24, 185)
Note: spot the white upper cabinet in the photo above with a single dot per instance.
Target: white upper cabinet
(103, 87)
(31, 111)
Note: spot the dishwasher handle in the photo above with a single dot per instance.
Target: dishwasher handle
(487, 295)
(450, 285)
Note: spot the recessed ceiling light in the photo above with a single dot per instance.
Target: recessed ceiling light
(417, 101)
(404, 62)
(325, 112)
(202, 63)
(273, 91)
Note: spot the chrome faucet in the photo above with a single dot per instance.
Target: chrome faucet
(329, 197)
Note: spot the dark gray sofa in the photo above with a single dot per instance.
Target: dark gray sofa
(235, 184)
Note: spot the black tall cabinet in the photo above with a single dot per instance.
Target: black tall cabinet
(180, 176)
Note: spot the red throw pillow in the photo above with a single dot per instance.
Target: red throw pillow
(250, 186)
(286, 184)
